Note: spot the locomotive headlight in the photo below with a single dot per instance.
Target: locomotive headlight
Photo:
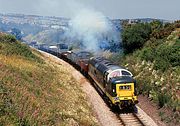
(113, 90)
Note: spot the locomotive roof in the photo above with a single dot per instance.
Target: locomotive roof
(103, 64)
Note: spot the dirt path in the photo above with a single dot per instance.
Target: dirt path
(103, 113)
(150, 109)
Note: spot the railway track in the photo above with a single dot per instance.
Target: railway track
(139, 118)
(130, 119)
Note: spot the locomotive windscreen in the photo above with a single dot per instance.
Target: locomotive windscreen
(119, 72)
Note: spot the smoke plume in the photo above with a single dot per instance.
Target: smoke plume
(92, 29)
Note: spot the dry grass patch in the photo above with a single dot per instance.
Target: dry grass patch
(40, 93)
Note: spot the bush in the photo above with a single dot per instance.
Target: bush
(164, 31)
(168, 55)
(7, 38)
(174, 57)
(148, 54)
(165, 56)
(135, 36)
(10, 46)
(163, 99)
(17, 33)
(143, 86)
(161, 64)
(155, 25)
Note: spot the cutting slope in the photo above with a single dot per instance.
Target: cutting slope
(36, 91)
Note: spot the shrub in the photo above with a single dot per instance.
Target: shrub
(153, 42)
(168, 55)
(17, 33)
(7, 38)
(163, 99)
(155, 25)
(164, 56)
(10, 46)
(174, 57)
(135, 36)
(163, 32)
(148, 54)
(161, 64)
(143, 86)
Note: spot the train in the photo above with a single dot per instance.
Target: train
(114, 82)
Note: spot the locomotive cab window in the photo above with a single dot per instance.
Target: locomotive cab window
(125, 73)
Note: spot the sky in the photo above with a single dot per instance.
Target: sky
(114, 9)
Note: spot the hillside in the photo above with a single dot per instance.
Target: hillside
(52, 30)
(42, 29)
(156, 65)
(37, 91)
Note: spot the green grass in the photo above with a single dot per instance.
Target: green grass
(10, 46)
(34, 90)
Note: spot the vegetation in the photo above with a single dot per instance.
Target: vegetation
(34, 90)
(134, 37)
(17, 33)
(10, 46)
(164, 56)
(156, 65)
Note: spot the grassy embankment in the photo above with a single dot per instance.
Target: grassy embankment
(156, 67)
(35, 91)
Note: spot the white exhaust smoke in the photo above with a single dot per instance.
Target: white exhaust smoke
(92, 29)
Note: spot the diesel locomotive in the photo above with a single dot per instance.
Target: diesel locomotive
(115, 82)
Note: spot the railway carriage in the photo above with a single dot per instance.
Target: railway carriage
(80, 59)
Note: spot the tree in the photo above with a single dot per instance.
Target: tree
(156, 25)
(17, 33)
(135, 36)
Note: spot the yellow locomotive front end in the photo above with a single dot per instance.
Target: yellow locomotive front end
(115, 82)
(123, 91)
(126, 94)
